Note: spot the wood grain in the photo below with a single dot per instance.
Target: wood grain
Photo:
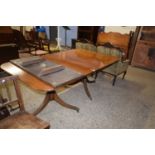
(27, 78)
(116, 39)
(82, 61)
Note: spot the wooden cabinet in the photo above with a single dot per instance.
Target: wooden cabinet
(8, 52)
(6, 35)
(88, 32)
(144, 53)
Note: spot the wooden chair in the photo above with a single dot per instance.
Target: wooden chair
(24, 45)
(19, 118)
(40, 39)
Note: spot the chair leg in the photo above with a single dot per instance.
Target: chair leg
(124, 75)
(114, 80)
(94, 76)
(48, 47)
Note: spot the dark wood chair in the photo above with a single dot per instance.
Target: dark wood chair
(18, 118)
(24, 45)
(41, 42)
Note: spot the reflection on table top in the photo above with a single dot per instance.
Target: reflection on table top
(82, 61)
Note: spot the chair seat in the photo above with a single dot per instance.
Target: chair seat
(39, 52)
(23, 120)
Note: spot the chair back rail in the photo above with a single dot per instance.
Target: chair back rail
(116, 39)
(19, 119)
(6, 84)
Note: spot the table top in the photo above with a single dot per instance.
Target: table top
(48, 71)
(27, 78)
(82, 61)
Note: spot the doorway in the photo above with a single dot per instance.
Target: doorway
(53, 34)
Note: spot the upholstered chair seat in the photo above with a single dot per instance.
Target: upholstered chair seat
(117, 68)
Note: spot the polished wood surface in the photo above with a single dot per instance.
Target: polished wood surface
(82, 61)
(116, 39)
(27, 78)
(35, 83)
(23, 120)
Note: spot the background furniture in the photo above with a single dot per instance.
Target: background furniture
(114, 44)
(31, 43)
(116, 39)
(86, 46)
(74, 41)
(145, 44)
(8, 52)
(8, 48)
(88, 32)
(133, 41)
(24, 45)
(38, 39)
(13, 36)
(6, 35)
(19, 119)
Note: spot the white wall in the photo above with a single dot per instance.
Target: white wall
(120, 29)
